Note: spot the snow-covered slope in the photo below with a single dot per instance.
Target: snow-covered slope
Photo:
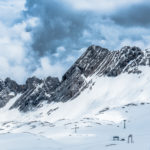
(102, 93)
(99, 93)
(92, 132)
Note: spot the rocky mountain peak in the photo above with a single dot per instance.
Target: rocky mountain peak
(88, 62)
(95, 61)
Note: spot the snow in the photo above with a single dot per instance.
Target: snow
(38, 87)
(25, 141)
(12, 94)
(91, 136)
(10, 103)
(98, 113)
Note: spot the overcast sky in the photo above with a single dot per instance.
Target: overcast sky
(45, 37)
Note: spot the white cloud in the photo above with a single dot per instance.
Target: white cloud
(114, 37)
(32, 21)
(61, 49)
(14, 61)
(12, 52)
(144, 43)
(101, 5)
(70, 58)
(47, 68)
(16, 72)
(10, 9)
(12, 39)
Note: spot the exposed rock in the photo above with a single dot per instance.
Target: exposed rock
(126, 60)
(13, 86)
(8, 90)
(36, 91)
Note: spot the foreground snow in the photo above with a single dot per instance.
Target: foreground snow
(93, 134)
(24, 141)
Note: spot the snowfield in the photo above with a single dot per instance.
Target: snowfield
(89, 122)
(93, 134)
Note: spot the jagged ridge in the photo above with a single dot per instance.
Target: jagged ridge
(96, 60)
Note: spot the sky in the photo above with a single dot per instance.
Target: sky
(44, 37)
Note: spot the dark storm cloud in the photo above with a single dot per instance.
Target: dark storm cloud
(59, 25)
(134, 15)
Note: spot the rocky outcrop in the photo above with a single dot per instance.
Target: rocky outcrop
(32, 92)
(35, 92)
(8, 89)
(128, 59)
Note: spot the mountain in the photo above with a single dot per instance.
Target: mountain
(86, 109)
(95, 61)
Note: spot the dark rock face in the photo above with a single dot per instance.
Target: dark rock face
(74, 80)
(126, 60)
(96, 60)
(32, 83)
(89, 61)
(13, 86)
(35, 92)
(8, 89)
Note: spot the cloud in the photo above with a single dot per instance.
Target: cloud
(102, 6)
(10, 10)
(76, 24)
(13, 56)
(134, 15)
(16, 57)
(115, 37)
(47, 69)
(12, 39)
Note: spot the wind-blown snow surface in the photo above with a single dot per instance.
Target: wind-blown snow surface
(98, 114)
